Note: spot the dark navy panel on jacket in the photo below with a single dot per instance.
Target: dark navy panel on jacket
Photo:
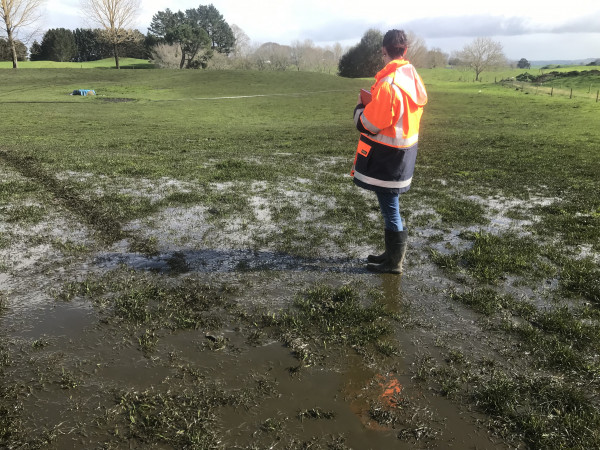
(385, 168)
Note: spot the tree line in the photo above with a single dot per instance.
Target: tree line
(79, 45)
(364, 59)
(201, 37)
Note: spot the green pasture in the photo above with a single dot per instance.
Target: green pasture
(107, 63)
(266, 156)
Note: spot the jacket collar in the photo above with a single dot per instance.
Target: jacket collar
(390, 68)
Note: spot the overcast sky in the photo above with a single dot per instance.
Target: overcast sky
(531, 29)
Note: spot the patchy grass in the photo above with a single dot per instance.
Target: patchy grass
(324, 318)
(581, 277)
(152, 302)
(457, 211)
(183, 420)
(488, 301)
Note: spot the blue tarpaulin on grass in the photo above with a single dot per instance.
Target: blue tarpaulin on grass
(84, 92)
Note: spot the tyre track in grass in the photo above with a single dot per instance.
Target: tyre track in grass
(107, 228)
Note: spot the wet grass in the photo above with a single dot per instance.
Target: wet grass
(182, 420)
(148, 302)
(457, 211)
(491, 258)
(488, 301)
(581, 278)
(545, 412)
(323, 319)
(12, 430)
(320, 318)
(575, 220)
(532, 408)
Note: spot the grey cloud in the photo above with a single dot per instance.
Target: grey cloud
(590, 23)
(485, 25)
(456, 26)
(481, 25)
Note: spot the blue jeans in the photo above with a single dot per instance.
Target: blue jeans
(390, 210)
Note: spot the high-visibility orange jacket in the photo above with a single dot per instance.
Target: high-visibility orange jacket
(389, 127)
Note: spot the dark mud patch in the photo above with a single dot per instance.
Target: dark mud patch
(116, 99)
(226, 260)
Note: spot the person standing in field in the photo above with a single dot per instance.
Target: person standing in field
(388, 123)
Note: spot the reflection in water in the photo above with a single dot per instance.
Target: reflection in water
(391, 387)
(368, 391)
(392, 295)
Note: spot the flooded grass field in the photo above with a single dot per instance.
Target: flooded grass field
(184, 270)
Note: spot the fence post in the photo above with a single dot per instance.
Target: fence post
(597, 94)
(552, 92)
(571, 96)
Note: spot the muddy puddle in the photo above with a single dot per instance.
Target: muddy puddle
(201, 345)
(85, 380)
(78, 371)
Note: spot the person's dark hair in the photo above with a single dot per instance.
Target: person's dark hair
(395, 43)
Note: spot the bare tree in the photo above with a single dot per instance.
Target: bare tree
(116, 17)
(242, 42)
(337, 51)
(273, 56)
(417, 52)
(437, 58)
(302, 53)
(166, 56)
(18, 14)
(481, 54)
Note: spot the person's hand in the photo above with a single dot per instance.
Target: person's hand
(359, 102)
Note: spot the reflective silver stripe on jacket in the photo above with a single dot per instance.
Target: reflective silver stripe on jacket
(381, 183)
(397, 142)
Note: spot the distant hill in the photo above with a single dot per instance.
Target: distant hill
(563, 62)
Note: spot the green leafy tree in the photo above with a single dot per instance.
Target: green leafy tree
(90, 45)
(177, 29)
(6, 50)
(58, 44)
(191, 39)
(211, 20)
(135, 47)
(34, 51)
(364, 59)
(523, 64)
(196, 33)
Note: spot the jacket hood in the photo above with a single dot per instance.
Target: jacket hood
(407, 79)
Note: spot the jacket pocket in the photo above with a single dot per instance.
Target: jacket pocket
(362, 150)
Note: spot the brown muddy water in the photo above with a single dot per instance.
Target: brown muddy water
(72, 366)
(76, 375)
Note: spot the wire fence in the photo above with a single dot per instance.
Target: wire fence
(591, 93)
